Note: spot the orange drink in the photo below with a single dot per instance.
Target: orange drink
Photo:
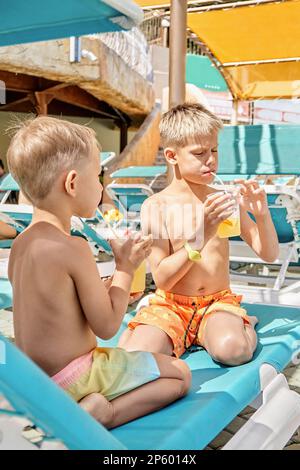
(229, 228)
(139, 279)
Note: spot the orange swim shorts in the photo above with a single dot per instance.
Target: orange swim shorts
(183, 318)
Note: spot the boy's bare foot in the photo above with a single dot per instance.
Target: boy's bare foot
(99, 407)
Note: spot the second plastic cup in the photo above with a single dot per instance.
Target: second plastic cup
(139, 279)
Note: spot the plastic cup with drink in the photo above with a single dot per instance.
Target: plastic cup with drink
(230, 227)
(139, 278)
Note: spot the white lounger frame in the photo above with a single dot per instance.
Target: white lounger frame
(289, 197)
(277, 417)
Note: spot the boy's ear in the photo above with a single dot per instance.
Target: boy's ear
(71, 183)
(170, 155)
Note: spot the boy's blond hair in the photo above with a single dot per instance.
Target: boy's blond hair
(43, 148)
(185, 123)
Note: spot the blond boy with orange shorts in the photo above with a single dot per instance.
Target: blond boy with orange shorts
(193, 304)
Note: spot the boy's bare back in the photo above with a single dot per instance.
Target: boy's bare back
(50, 326)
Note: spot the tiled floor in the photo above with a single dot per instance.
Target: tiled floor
(292, 374)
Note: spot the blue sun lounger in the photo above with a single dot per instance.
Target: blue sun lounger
(139, 171)
(7, 185)
(22, 214)
(269, 153)
(5, 293)
(284, 205)
(83, 229)
(217, 395)
(129, 197)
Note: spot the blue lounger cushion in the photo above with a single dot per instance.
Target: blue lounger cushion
(218, 394)
(5, 293)
(283, 228)
(34, 395)
(139, 171)
(9, 184)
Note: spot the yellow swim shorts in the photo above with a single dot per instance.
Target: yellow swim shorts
(109, 371)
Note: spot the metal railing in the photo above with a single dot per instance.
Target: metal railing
(156, 31)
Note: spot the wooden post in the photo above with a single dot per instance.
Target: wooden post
(123, 135)
(251, 112)
(178, 25)
(42, 101)
(234, 114)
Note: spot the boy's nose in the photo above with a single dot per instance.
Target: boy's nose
(209, 159)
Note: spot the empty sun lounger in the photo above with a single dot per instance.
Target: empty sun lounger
(266, 149)
(129, 198)
(106, 159)
(7, 185)
(284, 205)
(218, 394)
(270, 154)
(5, 293)
(22, 213)
(148, 172)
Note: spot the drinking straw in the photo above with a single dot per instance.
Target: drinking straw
(220, 181)
(227, 222)
(99, 213)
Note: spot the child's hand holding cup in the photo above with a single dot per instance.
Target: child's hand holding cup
(224, 210)
(131, 252)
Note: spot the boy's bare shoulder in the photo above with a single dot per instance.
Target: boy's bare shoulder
(45, 240)
(158, 199)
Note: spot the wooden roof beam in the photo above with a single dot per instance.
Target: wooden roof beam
(81, 98)
(28, 83)
(15, 105)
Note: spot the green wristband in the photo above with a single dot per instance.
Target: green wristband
(194, 255)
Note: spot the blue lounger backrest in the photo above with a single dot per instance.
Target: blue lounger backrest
(33, 395)
(282, 226)
(9, 184)
(279, 214)
(260, 149)
(90, 234)
(87, 231)
(129, 199)
(5, 293)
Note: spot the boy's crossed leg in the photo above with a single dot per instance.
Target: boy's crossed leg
(174, 382)
(146, 338)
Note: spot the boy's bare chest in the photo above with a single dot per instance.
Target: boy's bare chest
(182, 219)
